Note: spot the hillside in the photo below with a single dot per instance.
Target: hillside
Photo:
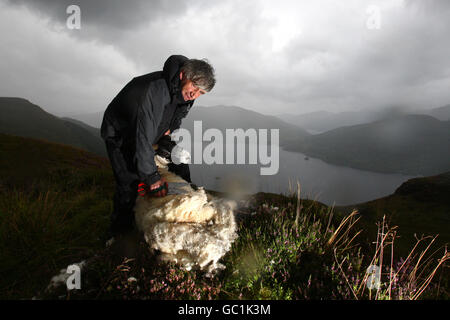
(95, 131)
(441, 113)
(92, 119)
(407, 144)
(55, 203)
(22, 118)
(223, 117)
(321, 121)
(418, 206)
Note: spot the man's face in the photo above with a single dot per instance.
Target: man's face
(189, 90)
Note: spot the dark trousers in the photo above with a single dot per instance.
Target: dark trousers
(127, 180)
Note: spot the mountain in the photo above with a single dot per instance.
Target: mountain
(22, 118)
(232, 117)
(321, 121)
(407, 144)
(419, 205)
(93, 130)
(55, 203)
(442, 113)
(92, 119)
(222, 117)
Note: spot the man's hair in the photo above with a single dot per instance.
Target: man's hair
(200, 72)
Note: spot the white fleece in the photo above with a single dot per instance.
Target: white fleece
(187, 226)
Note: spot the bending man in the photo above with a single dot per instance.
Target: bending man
(144, 112)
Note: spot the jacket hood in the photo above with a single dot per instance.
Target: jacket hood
(171, 72)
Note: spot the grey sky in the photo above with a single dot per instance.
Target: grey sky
(270, 56)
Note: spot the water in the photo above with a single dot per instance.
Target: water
(327, 183)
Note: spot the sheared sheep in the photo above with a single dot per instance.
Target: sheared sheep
(187, 226)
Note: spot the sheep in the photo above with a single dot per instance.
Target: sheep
(187, 226)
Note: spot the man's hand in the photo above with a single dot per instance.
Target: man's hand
(158, 189)
(162, 186)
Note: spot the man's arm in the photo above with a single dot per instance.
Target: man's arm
(147, 120)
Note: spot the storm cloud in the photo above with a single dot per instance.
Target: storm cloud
(112, 16)
(271, 57)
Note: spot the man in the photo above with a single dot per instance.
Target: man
(144, 112)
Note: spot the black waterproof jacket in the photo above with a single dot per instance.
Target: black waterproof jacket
(142, 112)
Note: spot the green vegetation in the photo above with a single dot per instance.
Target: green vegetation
(419, 206)
(55, 202)
(54, 208)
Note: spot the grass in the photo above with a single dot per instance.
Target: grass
(273, 258)
(419, 206)
(54, 208)
(42, 231)
(288, 248)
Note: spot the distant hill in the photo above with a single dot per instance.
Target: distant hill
(95, 131)
(23, 118)
(232, 117)
(420, 205)
(222, 117)
(322, 121)
(55, 202)
(92, 119)
(442, 113)
(408, 144)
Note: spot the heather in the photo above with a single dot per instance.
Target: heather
(288, 247)
(297, 249)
